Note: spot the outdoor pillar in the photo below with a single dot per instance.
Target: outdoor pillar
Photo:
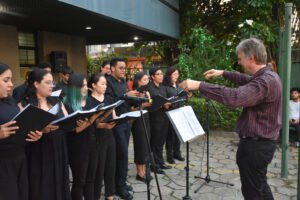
(286, 88)
(281, 53)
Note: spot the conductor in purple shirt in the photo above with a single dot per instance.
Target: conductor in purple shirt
(259, 94)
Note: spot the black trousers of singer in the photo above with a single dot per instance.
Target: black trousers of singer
(253, 157)
(159, 124)
(122, 135)
(141, 152)
(106, 163)
(13, 175)
(172, 143)
(83, 166)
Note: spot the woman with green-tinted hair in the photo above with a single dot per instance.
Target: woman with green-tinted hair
(81, 141)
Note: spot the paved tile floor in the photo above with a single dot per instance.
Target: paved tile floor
(223, 168)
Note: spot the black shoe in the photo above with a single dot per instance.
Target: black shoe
(164, 166)
(143, 178)
(170, 160)
(179, 157)
(157, 169)
(129, 188)
(124, 194)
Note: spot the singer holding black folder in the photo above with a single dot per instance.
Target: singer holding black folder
(141, 152)
(158, 120)
(13, 167)
(48, 171)
(117, 88)
(172, 142)
(105, 141)
(81, 141)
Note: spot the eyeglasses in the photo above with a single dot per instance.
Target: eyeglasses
(50, 83)
(122, 68)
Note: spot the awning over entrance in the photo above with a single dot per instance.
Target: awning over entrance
(55, 16)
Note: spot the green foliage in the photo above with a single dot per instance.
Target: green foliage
(227, 20)
(229, 115)
(94, 64)
(200, 51)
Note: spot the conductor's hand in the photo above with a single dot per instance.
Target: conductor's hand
(33, 136)
(188, 85)
(213, 73)
(8, 129)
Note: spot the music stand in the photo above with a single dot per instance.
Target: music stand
(151, 157)
(207, 178)
(187, 128)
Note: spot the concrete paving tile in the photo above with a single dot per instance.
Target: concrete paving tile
(223, 146)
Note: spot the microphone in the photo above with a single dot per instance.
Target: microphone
(136, 99)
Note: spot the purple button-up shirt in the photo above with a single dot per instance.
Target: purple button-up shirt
(260, 97)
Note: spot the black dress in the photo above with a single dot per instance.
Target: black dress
(13, 168)
(48, 166)
(106, 157)
(141, 152)
(82, 157)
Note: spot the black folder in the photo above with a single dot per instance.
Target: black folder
(31, 118)
(158, 101)
(68, 123)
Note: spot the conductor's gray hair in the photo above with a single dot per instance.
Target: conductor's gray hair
(253, 47)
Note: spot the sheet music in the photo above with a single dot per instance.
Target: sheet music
(54, 110)
(185, 123)
(56, 93)
(134, 114)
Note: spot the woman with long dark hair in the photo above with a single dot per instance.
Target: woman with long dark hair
(13, 166)
(141, 152)
(105, 141)
(81, 141)
(171, 80)
(47, 158)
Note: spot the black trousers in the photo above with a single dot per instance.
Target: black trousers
(13, 176)
(297, 130)
(83, 166)
(106, 163)
(122, 134)
(172, 143)
(159, 123)
(253, 157)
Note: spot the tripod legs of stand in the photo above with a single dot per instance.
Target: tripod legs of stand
(151, 157)
(187, 168)
(207, 178)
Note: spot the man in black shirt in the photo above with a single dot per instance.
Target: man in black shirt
(65, 73)
(116, 88)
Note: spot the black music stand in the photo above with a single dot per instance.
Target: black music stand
(151, 158)
(187, 128)
(207, 178)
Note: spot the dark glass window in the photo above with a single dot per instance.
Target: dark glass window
(27, 49)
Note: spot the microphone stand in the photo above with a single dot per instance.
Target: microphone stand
(207, 179)
(151, 157)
